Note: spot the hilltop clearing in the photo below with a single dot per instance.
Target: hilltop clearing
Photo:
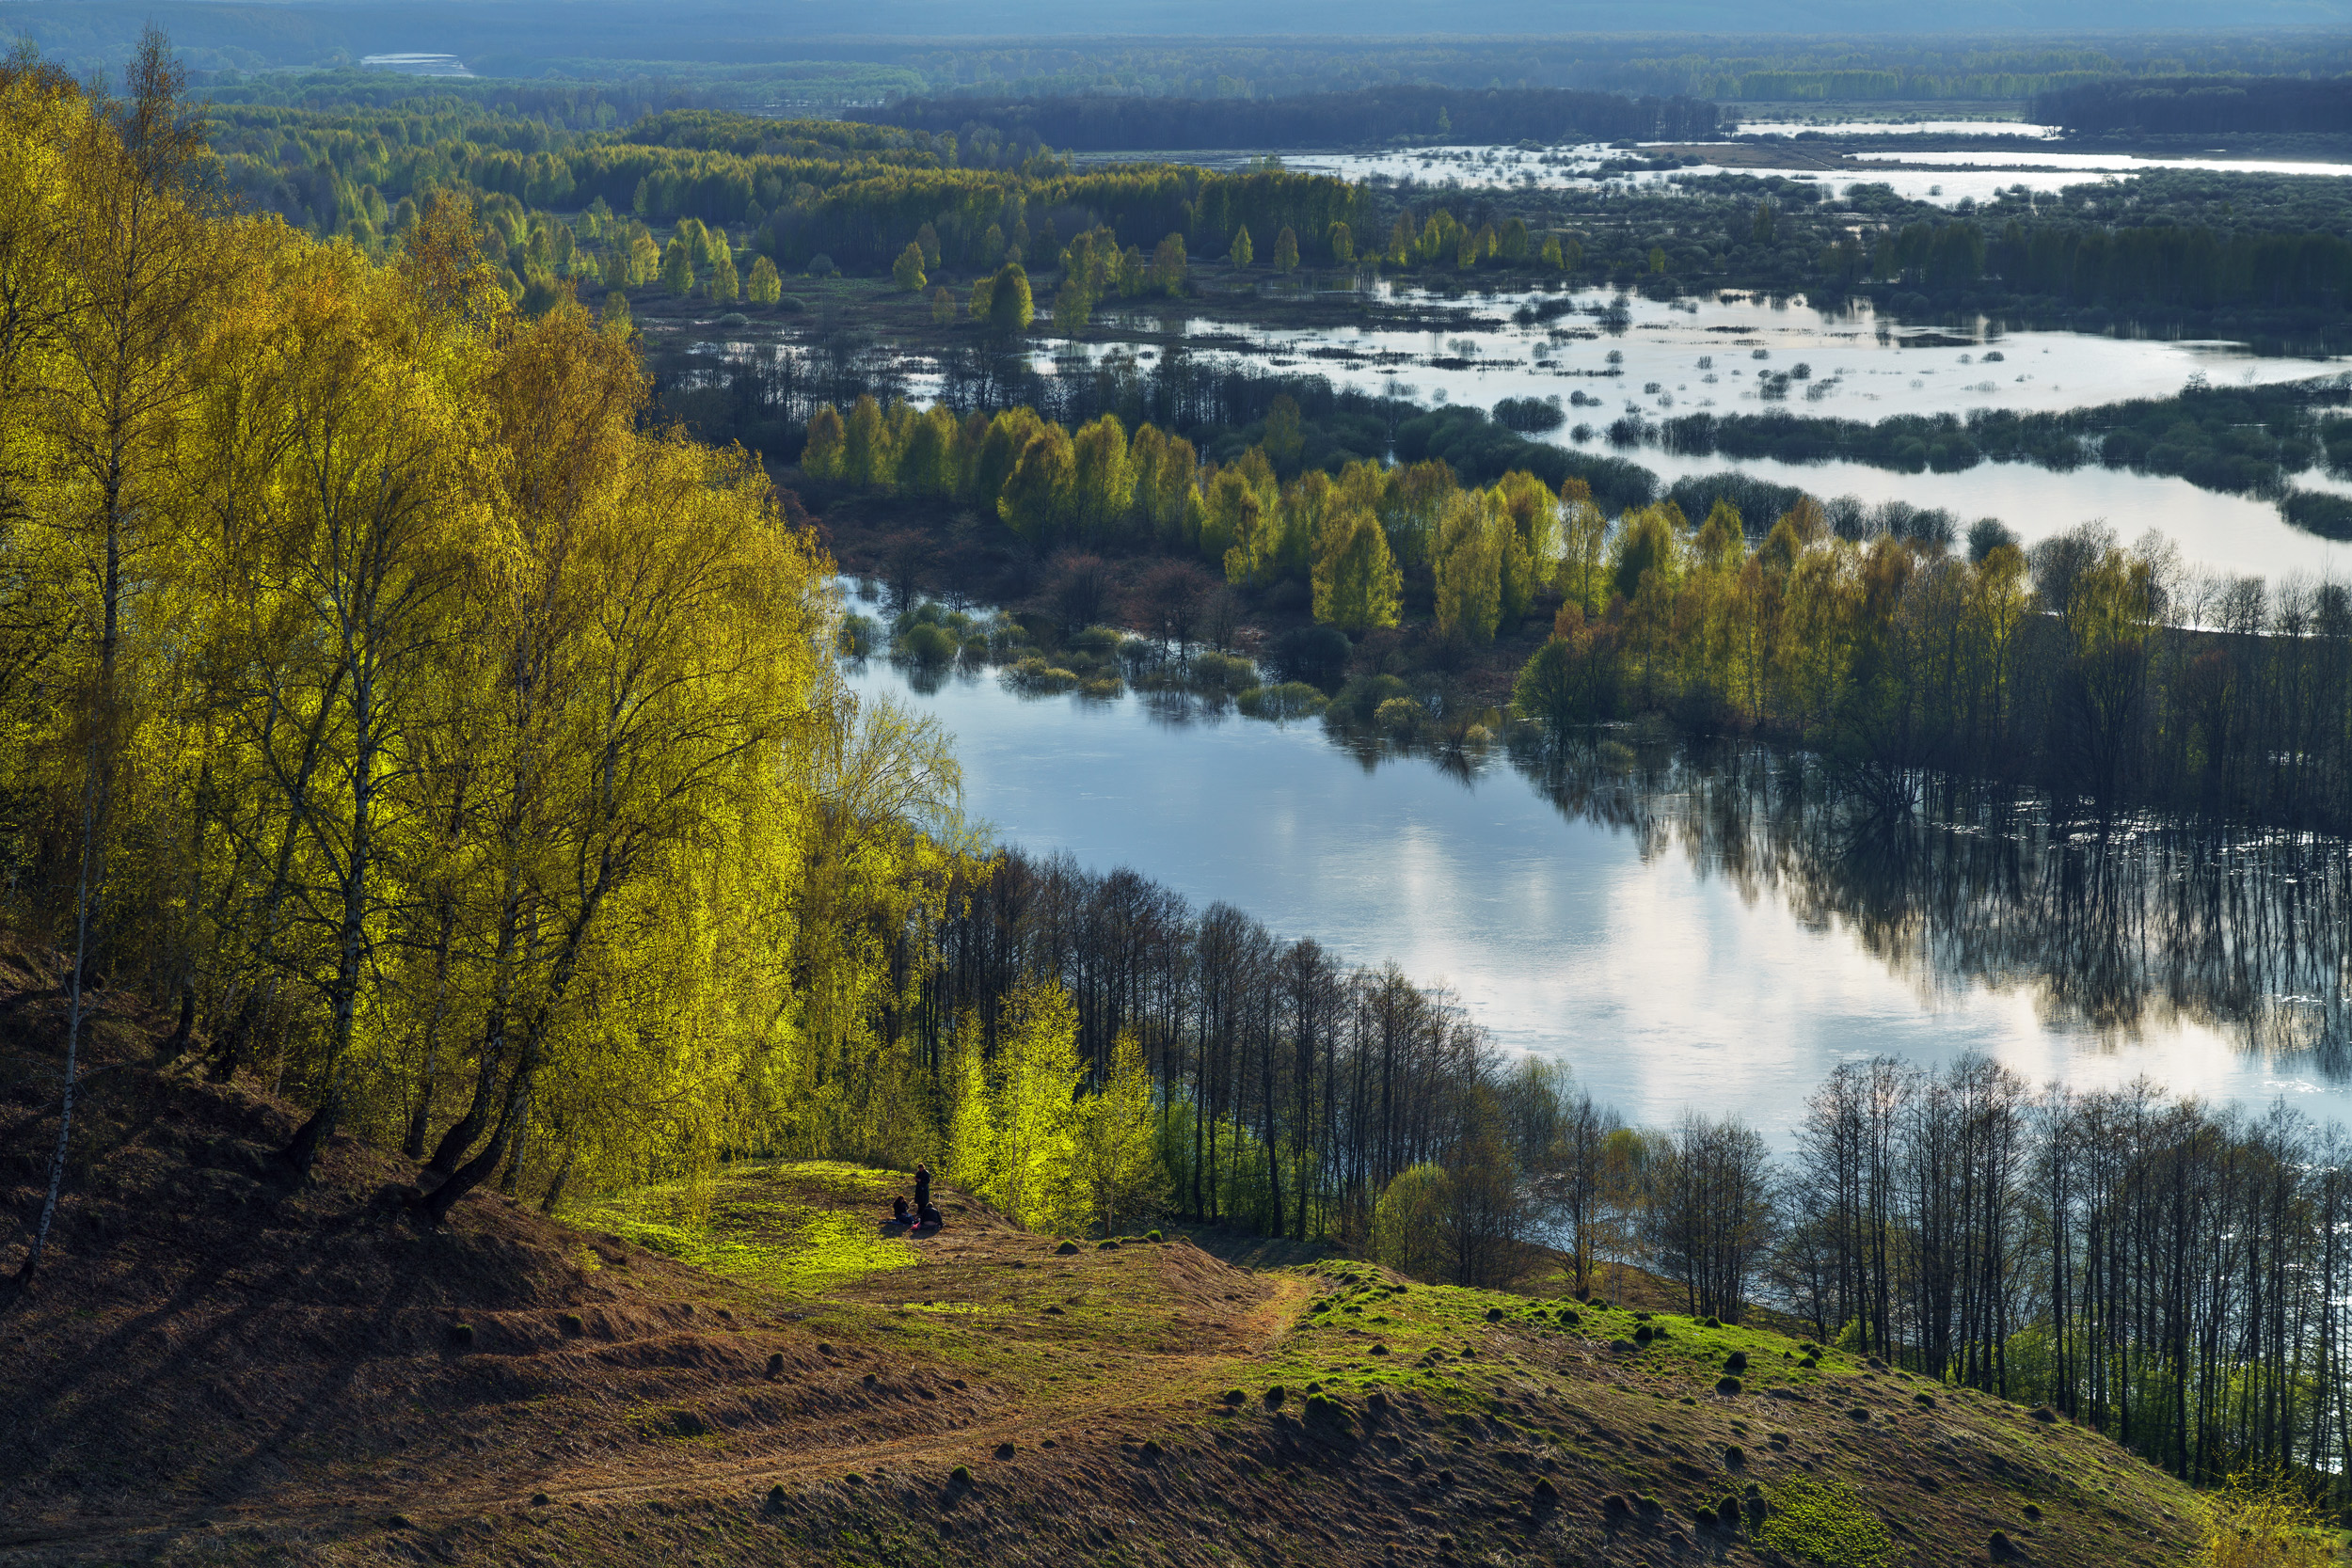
(220, 1368)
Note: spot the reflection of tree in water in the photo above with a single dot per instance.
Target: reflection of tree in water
(2140, 925)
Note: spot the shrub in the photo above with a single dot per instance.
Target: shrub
(1152, 1236)
(1229, 673)
(1275, 1396)
(2043, 1414)
(1735, 1457)
(1644, 1335)
(1568, 1317)
(1545, 1494)
(570, 1323)
(960, 1475)
(1494, 1314)
(1736, 1362)
(1925, 1400)
(2258, 1521)
(1108, 1243)
(461, 1334)
(1066, 1248)
(1627, 1346)
(1727, 1514)
(1728, 1385)
(1614, 1507)
(1281, 704)
(775, 1363)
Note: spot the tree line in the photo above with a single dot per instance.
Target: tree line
(2199, 105)
(1129, 122)
(2240, 439)
(2099, 673)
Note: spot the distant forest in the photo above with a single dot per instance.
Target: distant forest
(2198, 105)
(1102, 123)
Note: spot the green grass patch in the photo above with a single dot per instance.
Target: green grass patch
(780, 1226)
(1825, 1522)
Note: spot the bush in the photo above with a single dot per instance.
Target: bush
(1317, 655)
(1275, 1396)
(1152, 1236)
(2259, 1521)
(787, 304)
(1281, 704)
(775, 1363)
(1399, 716)
(1736, 1362)
(961, 1475)
(1728, 1385)
(1065, 1250)
(461, 1334)
(1735, 1457)
(571, 1323)
(1229, 673)
(1644, 1335)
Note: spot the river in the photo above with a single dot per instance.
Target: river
(1680, 934)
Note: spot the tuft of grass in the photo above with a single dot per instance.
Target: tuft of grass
(1827, 1522)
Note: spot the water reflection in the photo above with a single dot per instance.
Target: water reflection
(2129, 931)
(1712, 928)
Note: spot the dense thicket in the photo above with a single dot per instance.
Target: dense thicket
(2198, 105)
(1109, 123)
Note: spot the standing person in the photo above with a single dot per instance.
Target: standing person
(922, 1188)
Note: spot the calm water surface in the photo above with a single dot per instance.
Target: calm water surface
(1673, 960)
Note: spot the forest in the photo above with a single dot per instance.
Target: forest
(2199, 105)
(1371, 116)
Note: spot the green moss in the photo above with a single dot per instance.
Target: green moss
(1825, 1522)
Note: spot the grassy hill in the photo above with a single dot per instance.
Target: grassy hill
(216, 1369)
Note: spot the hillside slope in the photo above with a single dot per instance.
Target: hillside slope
(216, 1369)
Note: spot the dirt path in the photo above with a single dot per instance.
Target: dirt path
(1175, 1380)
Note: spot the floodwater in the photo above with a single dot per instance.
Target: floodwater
(1899, 128)
(1689, 356)
(1676, 945)
(1943, 178)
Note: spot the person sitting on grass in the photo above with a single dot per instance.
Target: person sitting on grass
(898, 1211)
(928, 1215)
